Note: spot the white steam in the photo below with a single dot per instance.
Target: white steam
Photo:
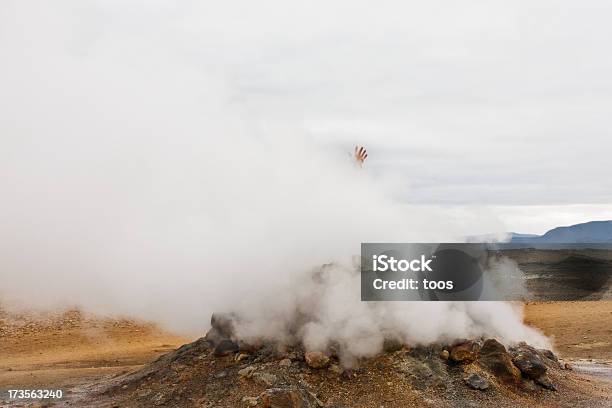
(134, 182)
(321, 310)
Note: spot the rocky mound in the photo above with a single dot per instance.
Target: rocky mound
(220, 371)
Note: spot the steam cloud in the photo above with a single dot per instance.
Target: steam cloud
(134, 182)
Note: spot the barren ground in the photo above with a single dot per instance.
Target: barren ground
(57, 351)
(63, 351)
(580, 330)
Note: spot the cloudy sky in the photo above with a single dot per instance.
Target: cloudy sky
(501, 105)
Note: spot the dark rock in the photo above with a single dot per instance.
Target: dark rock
(545, 382)
(495, 358)
(492, 346)
(465, 352)
(549, 354)
(529, 363)
(225, 347)
(423, 372)
(477, 382)
(287, 398)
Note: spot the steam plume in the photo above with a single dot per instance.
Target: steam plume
(133, 182)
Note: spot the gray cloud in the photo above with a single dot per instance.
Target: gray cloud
(490, 103)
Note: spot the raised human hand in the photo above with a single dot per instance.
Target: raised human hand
(360, 155)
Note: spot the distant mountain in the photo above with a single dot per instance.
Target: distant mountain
(516, 237)
(501, 237)
(588, 232)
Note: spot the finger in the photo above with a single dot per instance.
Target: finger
(365, 157)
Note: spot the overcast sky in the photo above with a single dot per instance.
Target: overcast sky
(504, 105)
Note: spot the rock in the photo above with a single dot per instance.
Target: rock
(225, 347)
(549, 354)
(250, 401)
(246, 372)
(422, 373)
(285, 362)
(316, 359)
(492, 346)
(532, 362)
(495, 358)
(465, 352)
(477, 382)
(287, 398)
(546, 357)
(444, 354)
(266, 379)
(567, 366)
(529, 363)
(545, 382)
